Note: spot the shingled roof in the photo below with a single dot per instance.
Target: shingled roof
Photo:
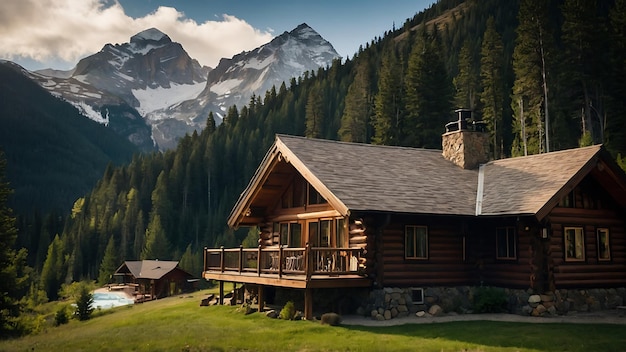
(355, 177)
(524, 185)
(148, 269)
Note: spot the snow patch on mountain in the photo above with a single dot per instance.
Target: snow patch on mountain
(224, 87)
(152, 99)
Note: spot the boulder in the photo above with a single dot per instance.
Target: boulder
(435, 310)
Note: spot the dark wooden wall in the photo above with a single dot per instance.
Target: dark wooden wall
(591, 272)
(445, 264)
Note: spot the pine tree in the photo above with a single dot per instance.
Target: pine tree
(314, 114)
(157, 245)
(466, 81)
(84, 303)
(358, 107)
(110, 263)
(387, 121)
(9, 276)
(210, 124)
(582, 33)
(53, 271)
(615, 136)
(429, 91)
(190, 261)
(492, 95)
(530, 89)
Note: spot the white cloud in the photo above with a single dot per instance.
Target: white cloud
(67, 30)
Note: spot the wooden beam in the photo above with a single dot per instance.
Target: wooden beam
(308, 304)
(221, 300)
(261, 298)
(305, 216)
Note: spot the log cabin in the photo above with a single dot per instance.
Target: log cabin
(346, 215)
(153, 279)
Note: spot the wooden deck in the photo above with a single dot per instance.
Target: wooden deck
(287, 267)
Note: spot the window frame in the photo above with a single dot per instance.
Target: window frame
(579, 234)
(415, 235)
(606, 231)
(286, 233)
(510, 235)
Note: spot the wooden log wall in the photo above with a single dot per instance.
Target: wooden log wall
(461, 251)
(591, 272)
(358, 238)
(445, 264)
(266, 237)
(490, 271)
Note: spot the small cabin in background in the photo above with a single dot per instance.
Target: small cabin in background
(152, 279)
(407, 222)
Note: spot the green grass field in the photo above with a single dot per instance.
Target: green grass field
(180, 324)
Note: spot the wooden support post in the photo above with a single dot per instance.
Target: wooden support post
(261, 298)
(308, 303)
(221, 300)
(258, 262)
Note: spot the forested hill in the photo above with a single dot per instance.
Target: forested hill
(400, 89)
(54, 154)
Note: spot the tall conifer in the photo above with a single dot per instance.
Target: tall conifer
(492, 81)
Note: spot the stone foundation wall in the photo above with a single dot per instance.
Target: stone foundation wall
(389, 303)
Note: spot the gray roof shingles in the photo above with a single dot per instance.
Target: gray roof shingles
(391, 179)
(523, 185)
(412, 180)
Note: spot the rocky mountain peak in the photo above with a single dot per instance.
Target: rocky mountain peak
(150, 35)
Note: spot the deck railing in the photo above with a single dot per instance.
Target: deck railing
(282, 261)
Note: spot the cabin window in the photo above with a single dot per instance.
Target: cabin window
(327, 232)
(604, 253)
(314, 197)
(290, 234)
(574, 244)
(505, 243)
(299, 194)
(417, 295)
(416, 242)
(340, 233)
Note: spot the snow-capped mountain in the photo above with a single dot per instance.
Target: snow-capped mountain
(235, 80)
(154, 80)
(289, 55)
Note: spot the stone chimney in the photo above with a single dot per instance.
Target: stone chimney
(466, 142)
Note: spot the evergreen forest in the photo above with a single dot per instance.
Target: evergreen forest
(544, 75)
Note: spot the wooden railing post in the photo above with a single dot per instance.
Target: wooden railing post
(258, 262)
(222, 259)
(280, 261)
(308, 268)
(206, 254)
(240, 258)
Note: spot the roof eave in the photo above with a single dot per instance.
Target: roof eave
(547, 207)
(245, 198)
(310, 177)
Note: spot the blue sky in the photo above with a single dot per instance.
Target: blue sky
(57, 33)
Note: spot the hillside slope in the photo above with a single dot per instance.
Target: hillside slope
(54, 154)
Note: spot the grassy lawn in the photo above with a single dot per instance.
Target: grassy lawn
(180, 324)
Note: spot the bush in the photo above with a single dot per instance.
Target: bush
(61, 317)
(288, 312)
(332, 319)
(489, 300)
